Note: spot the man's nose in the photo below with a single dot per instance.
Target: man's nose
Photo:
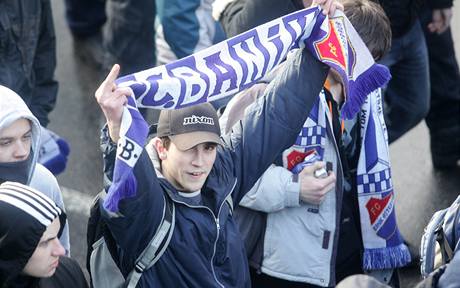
(198, 159)
(22, 150)
(58, 249)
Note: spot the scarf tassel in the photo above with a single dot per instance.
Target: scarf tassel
(386, 258)
(376, 76)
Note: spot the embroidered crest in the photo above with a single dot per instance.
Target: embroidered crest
(295, 157)
(335, 47)
(379, 212)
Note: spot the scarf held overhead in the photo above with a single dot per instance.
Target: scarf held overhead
(233, 65)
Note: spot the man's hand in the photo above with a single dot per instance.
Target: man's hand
(312, 189)
(328, 6)
(440, 20)
(112, 99)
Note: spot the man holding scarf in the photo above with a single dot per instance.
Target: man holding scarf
(196, 167)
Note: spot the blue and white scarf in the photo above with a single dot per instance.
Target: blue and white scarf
(233, 65)
(383, 244)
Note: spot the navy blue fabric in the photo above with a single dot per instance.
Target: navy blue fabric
(129, 35)
(85, 17)
(28, 54)
(407, 94)
(443, 119)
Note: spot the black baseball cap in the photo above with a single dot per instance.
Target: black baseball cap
(190, 126)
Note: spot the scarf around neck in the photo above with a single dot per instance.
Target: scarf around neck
(16, 171)
(383, 245)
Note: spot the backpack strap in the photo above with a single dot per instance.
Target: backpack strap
(229, 201)
(428, 243)
(157, 244)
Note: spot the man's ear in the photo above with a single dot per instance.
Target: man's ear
(161, 150)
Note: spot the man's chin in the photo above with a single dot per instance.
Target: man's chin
(193, 187)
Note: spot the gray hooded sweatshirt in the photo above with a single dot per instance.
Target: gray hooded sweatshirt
(12, 108)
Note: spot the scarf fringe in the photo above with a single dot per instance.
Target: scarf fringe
(125, 188)
(386, 258)
(376, 76)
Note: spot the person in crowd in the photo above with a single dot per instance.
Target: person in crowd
(185, 27)
(85, 19)
(128, 37)
(198, 174)
(199, 170)
(407, 96)
(28, 54)
(30, 253)
(19, 149)
(443, 118)
(237, 16)
(27, 64)
(315, 227)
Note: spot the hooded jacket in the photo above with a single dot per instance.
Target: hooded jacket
(206, 249)
(12, 108)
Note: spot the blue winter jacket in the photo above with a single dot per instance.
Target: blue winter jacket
(206, 249)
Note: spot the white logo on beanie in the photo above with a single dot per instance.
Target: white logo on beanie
(198, 120)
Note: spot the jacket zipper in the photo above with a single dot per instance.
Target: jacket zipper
(216, 220)
(338, 203)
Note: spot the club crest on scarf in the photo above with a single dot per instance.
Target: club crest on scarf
(335, 48)
(379, 211)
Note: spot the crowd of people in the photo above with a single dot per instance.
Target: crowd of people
(285, 182)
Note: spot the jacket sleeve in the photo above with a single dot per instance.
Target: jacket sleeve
(45, 90)
(451, 274)
(128, 226)
(273, 122)
(242, 15)
(273, 192)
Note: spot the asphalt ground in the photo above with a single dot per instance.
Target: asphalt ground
(420, 189)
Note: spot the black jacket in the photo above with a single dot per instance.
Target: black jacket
(404, 13)
(68, 275)
(28, 53)
(242, 15)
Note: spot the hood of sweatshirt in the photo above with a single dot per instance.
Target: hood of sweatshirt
(12, 108)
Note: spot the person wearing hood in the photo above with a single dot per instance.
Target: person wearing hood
(19, 149)
(30, 253)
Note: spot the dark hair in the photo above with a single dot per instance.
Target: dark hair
(166, 141)
(371, 23)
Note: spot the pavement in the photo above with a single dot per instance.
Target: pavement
(420, 189)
